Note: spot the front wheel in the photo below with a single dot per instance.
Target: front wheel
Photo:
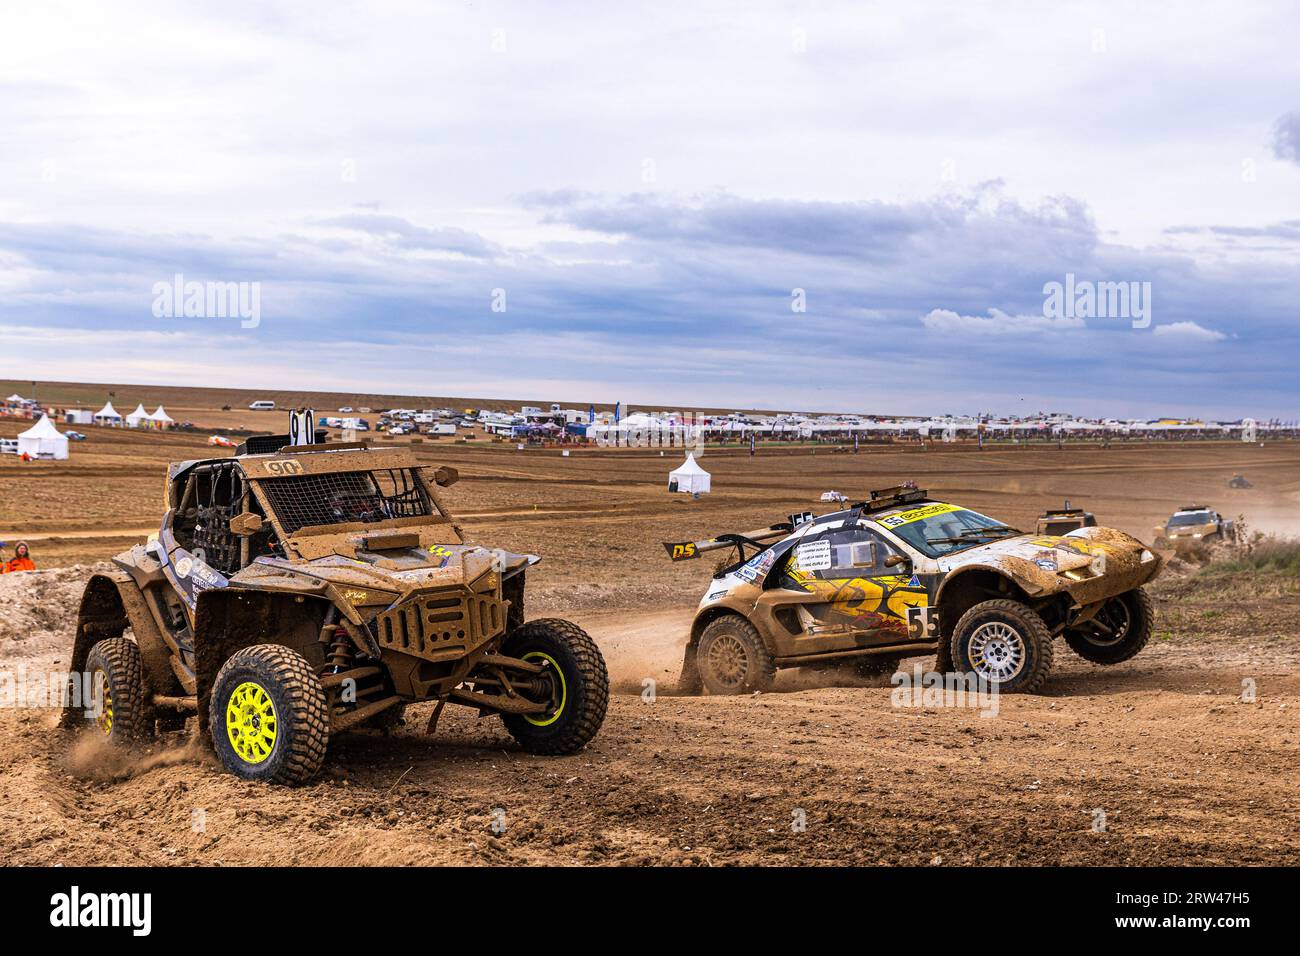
(1116, 632)
(269, 716)
(120, 711)
(1004, 643)
(574, 684)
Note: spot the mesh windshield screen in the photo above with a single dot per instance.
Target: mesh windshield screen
(363, 496)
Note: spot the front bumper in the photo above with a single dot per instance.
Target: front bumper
(441, 626)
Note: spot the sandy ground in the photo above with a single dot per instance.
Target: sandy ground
(1183, 769)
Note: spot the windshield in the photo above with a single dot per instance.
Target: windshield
(939, 529)
(1197, 517)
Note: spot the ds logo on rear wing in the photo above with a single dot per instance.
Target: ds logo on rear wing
(681, 551)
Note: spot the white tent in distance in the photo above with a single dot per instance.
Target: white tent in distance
(43, 440)
(689, 478)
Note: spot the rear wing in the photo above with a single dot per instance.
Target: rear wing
(758, 539)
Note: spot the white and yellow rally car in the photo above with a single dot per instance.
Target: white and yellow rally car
(901, 575)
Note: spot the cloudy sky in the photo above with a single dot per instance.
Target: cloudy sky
(600, 202)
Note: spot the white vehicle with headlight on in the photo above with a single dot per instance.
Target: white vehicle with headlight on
(901, 575)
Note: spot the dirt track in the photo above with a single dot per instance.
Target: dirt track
(1183, 769)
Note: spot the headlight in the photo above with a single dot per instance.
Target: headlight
(1078, 574)
(1147, 556)
(1196, 534)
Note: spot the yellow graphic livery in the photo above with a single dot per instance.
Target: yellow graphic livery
(916, 514)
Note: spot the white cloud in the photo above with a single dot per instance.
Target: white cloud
(997, 322)
(1188, 331)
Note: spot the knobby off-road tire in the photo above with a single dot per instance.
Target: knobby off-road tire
(269, 716)
(732, 658)
(116, 671)
(581, 687)
(1129, 618)
(1004, 642)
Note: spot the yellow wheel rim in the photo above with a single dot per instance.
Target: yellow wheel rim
(250, 722)
(546, 721)
(105, 720)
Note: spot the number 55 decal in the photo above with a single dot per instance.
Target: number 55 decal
(923, 623)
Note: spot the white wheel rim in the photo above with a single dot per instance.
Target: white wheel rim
(997, 652)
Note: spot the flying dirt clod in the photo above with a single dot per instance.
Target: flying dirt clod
(294, 592)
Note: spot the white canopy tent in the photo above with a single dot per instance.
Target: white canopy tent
(690, 477)
(15, 398)
(161, 418)
(137, 417)
(107, 414)
(43, 440)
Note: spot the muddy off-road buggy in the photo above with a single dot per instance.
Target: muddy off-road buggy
(295, 592)
(901, 575)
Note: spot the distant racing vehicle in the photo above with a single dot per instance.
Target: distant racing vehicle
(1062, 521)
(294, 592)
(1194, 526)
(220, 441)
(900, 575)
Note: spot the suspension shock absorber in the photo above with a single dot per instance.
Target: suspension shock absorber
(339, 656)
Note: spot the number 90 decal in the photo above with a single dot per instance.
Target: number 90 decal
(282, 468)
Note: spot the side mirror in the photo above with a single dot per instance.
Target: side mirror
(245, 525)
(894, 560)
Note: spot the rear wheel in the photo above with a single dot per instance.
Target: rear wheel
(1004, 643)
(269, 716)
(732, 658)
(121, 714)
(1117, 632)
(573, 684)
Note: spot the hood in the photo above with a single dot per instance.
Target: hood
(1186, 530)
(380, 577)
(1043, 560)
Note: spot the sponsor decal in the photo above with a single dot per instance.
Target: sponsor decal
(716, 594)
(201, 576)
(814, 556)
(757, 566)
(184, 566)
(916, 514)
